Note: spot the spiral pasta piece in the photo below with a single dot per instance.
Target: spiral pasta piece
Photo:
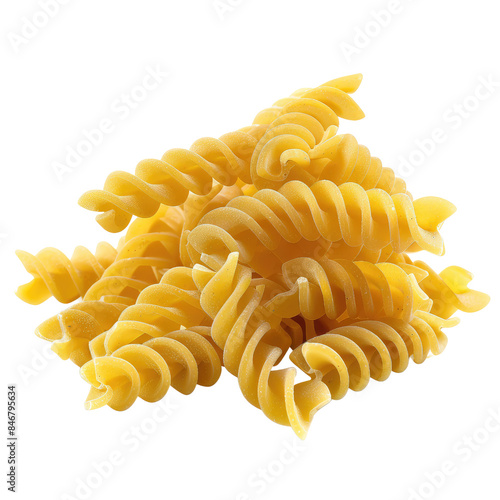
(351, 354)
(266, 227)
(326, 103)
(142, 260)
(356, 289)
(182, 358)
(301, 124)
(449, 289)
(253, 343)
(55, 275)
(170, 180)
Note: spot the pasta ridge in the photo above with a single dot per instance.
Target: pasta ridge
(326, 103)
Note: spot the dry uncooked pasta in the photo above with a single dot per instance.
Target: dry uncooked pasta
(282, 235)
(224, 160)
(272, 227)
(54, 275)
(149, 248)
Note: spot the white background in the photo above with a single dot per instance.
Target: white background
(225, 64)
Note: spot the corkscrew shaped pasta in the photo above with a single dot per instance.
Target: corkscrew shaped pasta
(300, 124)
(265, 228)
(326, 103)
(352, 353)
(170, 180)
(449, 289)
(338, 288)
(142, 260)
(55, 275)
(157, 352)
(182, 358)
(252, 345)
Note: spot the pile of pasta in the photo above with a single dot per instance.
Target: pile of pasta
(283, 235)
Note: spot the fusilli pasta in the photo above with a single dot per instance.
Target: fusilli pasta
(280, 235)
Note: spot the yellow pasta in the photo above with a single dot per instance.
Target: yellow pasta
(306, 101)
(449, 289)
(349, 355)
(160, 309)
(301, 124)
(54, 275)
(182, 358)
(349, 161)
(281, 235)
(145, 350)
(71, 330)
(357, 289)
(142, 259)
(272, 227)
(169, 180)
(252, 345)
(196, 207)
